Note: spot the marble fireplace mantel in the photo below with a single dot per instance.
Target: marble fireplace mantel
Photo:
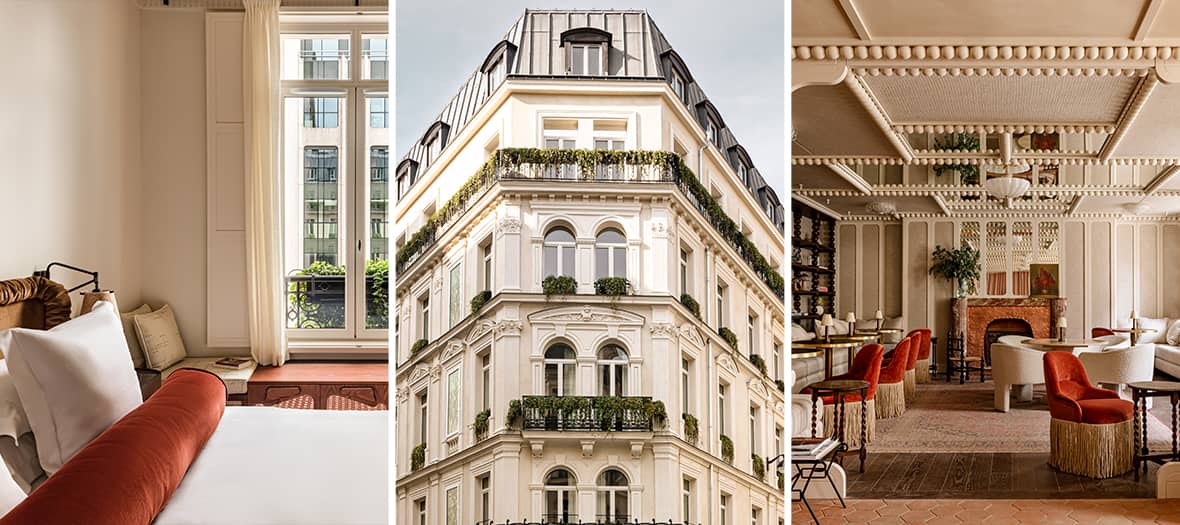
(970, 316)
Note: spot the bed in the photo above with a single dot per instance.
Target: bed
(252, 466)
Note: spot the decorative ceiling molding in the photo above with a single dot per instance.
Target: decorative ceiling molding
(1113, 70)
(852, 177)
(861, 91)
(1063, 158)
(983, 52)
(941, 202)
(1130, 112)
(1073, 208)
(942, 127)
(894, 190)
(1164, 176)
(816, 205)
(854, 18)
(1002, 214)
(1148, 19)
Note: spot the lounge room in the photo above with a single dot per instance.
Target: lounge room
(986, 223)
(194, 271)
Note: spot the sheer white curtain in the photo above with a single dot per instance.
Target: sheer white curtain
(264, 241)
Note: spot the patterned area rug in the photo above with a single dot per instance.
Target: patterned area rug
(949, 417)
(306, 402)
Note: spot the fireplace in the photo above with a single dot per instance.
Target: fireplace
(972, 318)
(998, 328)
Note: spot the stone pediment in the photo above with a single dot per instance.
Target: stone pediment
(726, 362)
(586, 314)
(691, 334)
(478, 330)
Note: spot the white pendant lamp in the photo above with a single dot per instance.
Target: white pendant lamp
(1005, 185)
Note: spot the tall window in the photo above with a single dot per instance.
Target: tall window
(677, 82)
(560, 497)
(612, 371)
(610, 254)
(496, 74)
(485, 375)
(752, 333)
(778, 360)
(720, 304)
(484, 483)
(755, 516)
(684, 272)
(558, 251)
(711, 130)
(321, 211)
(686, 385)
(420, 508)
(335, 158)
(423, 417)
(455, 287)
(321, 112)
(424, 316)
(686, 503)
(725, 499)
(560, 370)
(721, 391)
(454, 405)
(586, 59)
(452, 501)
(612, 497)
(754, 448)
(486, 274)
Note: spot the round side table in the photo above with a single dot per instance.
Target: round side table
(839, 389)
(1140, 391)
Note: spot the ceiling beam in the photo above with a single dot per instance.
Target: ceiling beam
(814, 204)
(1150, 12)
(854, 18)
(941, 204)
(852, 177)
(1161, 179)
(870, 103)
(894, 190)
(1073, 207)
(1130, 113)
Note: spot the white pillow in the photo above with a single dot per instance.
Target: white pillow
(1112, 342)
(839, 327)
(798, 333)
(159, 337)
(131, 335)
(1173, 336)
(74, 381)
(1159, 325)
(13, 421)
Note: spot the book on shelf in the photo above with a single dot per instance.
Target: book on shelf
(232, 363)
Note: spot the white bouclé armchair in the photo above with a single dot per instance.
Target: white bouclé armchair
(1015, 366)
(1120, 366)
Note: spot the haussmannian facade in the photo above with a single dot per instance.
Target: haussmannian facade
(548, 407)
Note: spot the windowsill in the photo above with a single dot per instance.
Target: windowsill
(339, 350)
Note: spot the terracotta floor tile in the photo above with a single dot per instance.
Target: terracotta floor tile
(917, 516)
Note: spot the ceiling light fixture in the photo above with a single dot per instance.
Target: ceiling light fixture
(1005, 185)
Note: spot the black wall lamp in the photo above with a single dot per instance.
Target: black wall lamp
(93, 275)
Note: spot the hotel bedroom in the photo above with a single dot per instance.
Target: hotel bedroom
(165, 365)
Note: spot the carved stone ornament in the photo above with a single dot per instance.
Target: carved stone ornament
(508, 225)
(726, 362)
(664, 330)
(756, 386)
(403, 394)
(509, 327)
(690, 333)
(480, 329)
(420, 371)
(453, 348)
(659, 227)
(586, 314)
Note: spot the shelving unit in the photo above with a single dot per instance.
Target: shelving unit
(813, 263)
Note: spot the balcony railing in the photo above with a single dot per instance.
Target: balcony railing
(587, 413)
(318, 301)
(566, 519)
(588, 166)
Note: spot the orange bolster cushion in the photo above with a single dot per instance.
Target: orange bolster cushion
(126, 475)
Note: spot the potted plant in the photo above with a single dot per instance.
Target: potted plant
(968, 173)
(960, 266)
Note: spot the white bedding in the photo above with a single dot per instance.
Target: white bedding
(274, 466)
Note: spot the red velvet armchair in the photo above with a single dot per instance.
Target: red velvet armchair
(922, 366)
(866, 366)
(891, 384)
(1100, 332)
(1090, 429)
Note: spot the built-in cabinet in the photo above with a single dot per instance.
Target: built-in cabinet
(813, 263)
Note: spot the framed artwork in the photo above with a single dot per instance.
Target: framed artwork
(1044, 280)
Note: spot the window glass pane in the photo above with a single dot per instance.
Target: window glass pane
(379, 112)
(456, 290)
(453, 506)
(594, 60)
(567, 260)
(375, 57)
(620, 269)
(550, 254)
(453, 401)
(551, 379)
(568, 377)
(377, 283)
(315, 160)
(314, 57)
(579, 61)
(601, 262)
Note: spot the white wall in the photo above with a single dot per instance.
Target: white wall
(70, 139)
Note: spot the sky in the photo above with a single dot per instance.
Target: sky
(734, 49)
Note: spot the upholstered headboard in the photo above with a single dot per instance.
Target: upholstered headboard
(33, 302)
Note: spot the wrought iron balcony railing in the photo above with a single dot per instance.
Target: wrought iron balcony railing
(587, 413)
(318, 301)
(588, 166)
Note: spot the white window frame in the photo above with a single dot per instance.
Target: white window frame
(423, 398)
(687, 485)
(721, 412)
(457, 517)
(454, 408)
(562, 248)
(610, 248)
(601, 52)
(755, 424)
(486, 390)
(612, 493)
(487, 267)
(455, 310)
(615, 368)
(685, 268)
(423, 301)
(752, 332)
(484, 486)
(561, 364)
(420, 508)
(721, 304)
(351, 172)
(677, 82)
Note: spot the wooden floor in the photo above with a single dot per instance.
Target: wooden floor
(991, 512)
(982, 476)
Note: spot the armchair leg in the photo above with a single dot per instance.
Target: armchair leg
(1024, 393)
(1001, 397)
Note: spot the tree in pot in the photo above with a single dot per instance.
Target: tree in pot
(960, 266)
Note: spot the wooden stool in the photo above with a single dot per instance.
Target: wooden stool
(957, 360)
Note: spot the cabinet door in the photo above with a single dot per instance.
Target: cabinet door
(286, 396)
(371, 396)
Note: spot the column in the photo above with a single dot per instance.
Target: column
(508, 267)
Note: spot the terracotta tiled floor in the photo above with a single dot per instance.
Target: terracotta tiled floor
(991, 512)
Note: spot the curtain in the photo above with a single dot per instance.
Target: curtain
(1020, 282)
(264, 241)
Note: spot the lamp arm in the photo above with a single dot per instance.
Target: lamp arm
(93, 275)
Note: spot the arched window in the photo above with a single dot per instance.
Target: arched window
(559, 252)
(560, 497)
(612, 371)
(560, 365)
(612, 497)
(610, 254)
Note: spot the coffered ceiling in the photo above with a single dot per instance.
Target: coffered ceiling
(1087, 92)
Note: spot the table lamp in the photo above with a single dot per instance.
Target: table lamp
(880, 319)
(1061, 325)
(826, 322)
(89, 298)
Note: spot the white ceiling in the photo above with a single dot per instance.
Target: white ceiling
(876, 81)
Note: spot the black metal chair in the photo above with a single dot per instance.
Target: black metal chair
(958, 362)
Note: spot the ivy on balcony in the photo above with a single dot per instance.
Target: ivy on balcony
(418, 346)
(480, 425)
(559, 285)
(418, 457)
(691, 428)
(316, 296)
(612, 286)
(757, 467)
(758, 363)
(728, 336)
(589, 413)
(480, 299)
(692, 304)
(726, 449)
(516, 163)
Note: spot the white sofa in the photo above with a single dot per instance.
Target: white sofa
(810, 370)
(1120, 366)
(1015, 366)
(801, 413)
(1166, 340)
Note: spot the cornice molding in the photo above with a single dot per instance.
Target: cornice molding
(976, 127)
(979, 52)
(857, 85)
(1066, 158)
(1130, 112)
(944, 70)
(896, 190)
(1003, 214)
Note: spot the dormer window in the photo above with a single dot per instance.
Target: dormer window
(497, 64)
(586, 51)
(435, 140)
(710, 119)
(677, 82)
(676, 73)
(741, 163)
(711, 129)
(741, 171)
(407, 174)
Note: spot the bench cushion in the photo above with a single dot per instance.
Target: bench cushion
(235, 380)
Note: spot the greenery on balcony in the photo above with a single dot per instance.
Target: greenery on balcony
(612, 286)
(728, 336)
(588, 413)
(691, 430)
(316, 296)
(480, 299)
(692, 304)
(758, 363)
(757, 466)
(480, 425)
(559, 285)
(782, 482)
(782, 385)
(418, 346)
(509, 163)
(726, 449)
(418, 456)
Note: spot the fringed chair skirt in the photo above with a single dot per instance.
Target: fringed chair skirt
(922, 370)
(852, 417)
(1096, 451)
(911, 385)
(890, 400)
